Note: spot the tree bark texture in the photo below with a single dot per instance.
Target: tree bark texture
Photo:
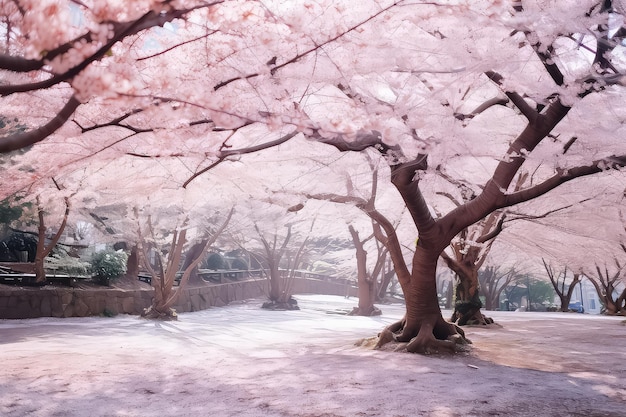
(366, 284)
(44, 250)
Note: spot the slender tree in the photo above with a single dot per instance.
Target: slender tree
(607, 284)
(369, 287)
(45, 248)
(493, 280)
(274, 252)
(168, 260)
(366, 280)
(564, 290)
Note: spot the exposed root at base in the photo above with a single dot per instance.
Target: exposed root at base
(456, 343)
(370, 312)
(433, 335)
(167, 315)
(470, 316)
(279, 305)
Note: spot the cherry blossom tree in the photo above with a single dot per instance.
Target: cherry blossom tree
(607, 279)
(479, 90)
(383, 234)
(168, 259)
(275, 249)
(563, 289)
(493, 280)
(366, 280)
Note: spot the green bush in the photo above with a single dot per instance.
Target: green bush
(109, 264)
(63, 263)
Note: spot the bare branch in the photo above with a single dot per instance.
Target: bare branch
(224, 154)
(495, 101)
(569, 144)
(341, 199)
(450, 197)
(115, 122)
(206, 35)
(187, 272)
(562, 176)
(310, 50)
(19, 64)
(494, 232)
(519, 102)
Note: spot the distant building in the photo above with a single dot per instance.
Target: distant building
(585, 294)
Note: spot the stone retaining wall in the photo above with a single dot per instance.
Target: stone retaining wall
(82, 301)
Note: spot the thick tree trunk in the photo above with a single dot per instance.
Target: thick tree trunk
(467, 303)
(620, 302)
(604, 285)
(615, 306)
(423, 328)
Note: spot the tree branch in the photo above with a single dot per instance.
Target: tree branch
(402, 177)
(561, 177)
(316, 47)
(187, 272)
(224, 154)
(494, 232)
(495, 101)
(122, 30)
(519, 102)
(57, 236)
(22, 140)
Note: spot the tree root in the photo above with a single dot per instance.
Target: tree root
(432, 335)
(167, 315)
(470, 317)
(368, 312)
(280, 305)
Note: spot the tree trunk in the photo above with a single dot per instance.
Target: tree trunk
(191, 256)
(467, 303)
(274, 281)
(620, 302)
(132, 265)
(366, 284)
(384, 285)
(605, 286)
(489, 287)
(40, 273)
(423, 327)
(42, 249)
(559, 285)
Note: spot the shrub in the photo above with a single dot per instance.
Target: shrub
(109, 264)
(61, 262)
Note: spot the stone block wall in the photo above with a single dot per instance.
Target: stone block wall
(57, 301)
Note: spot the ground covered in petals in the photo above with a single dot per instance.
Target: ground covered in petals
(241, 360)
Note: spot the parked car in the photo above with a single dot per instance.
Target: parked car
(576, 307)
